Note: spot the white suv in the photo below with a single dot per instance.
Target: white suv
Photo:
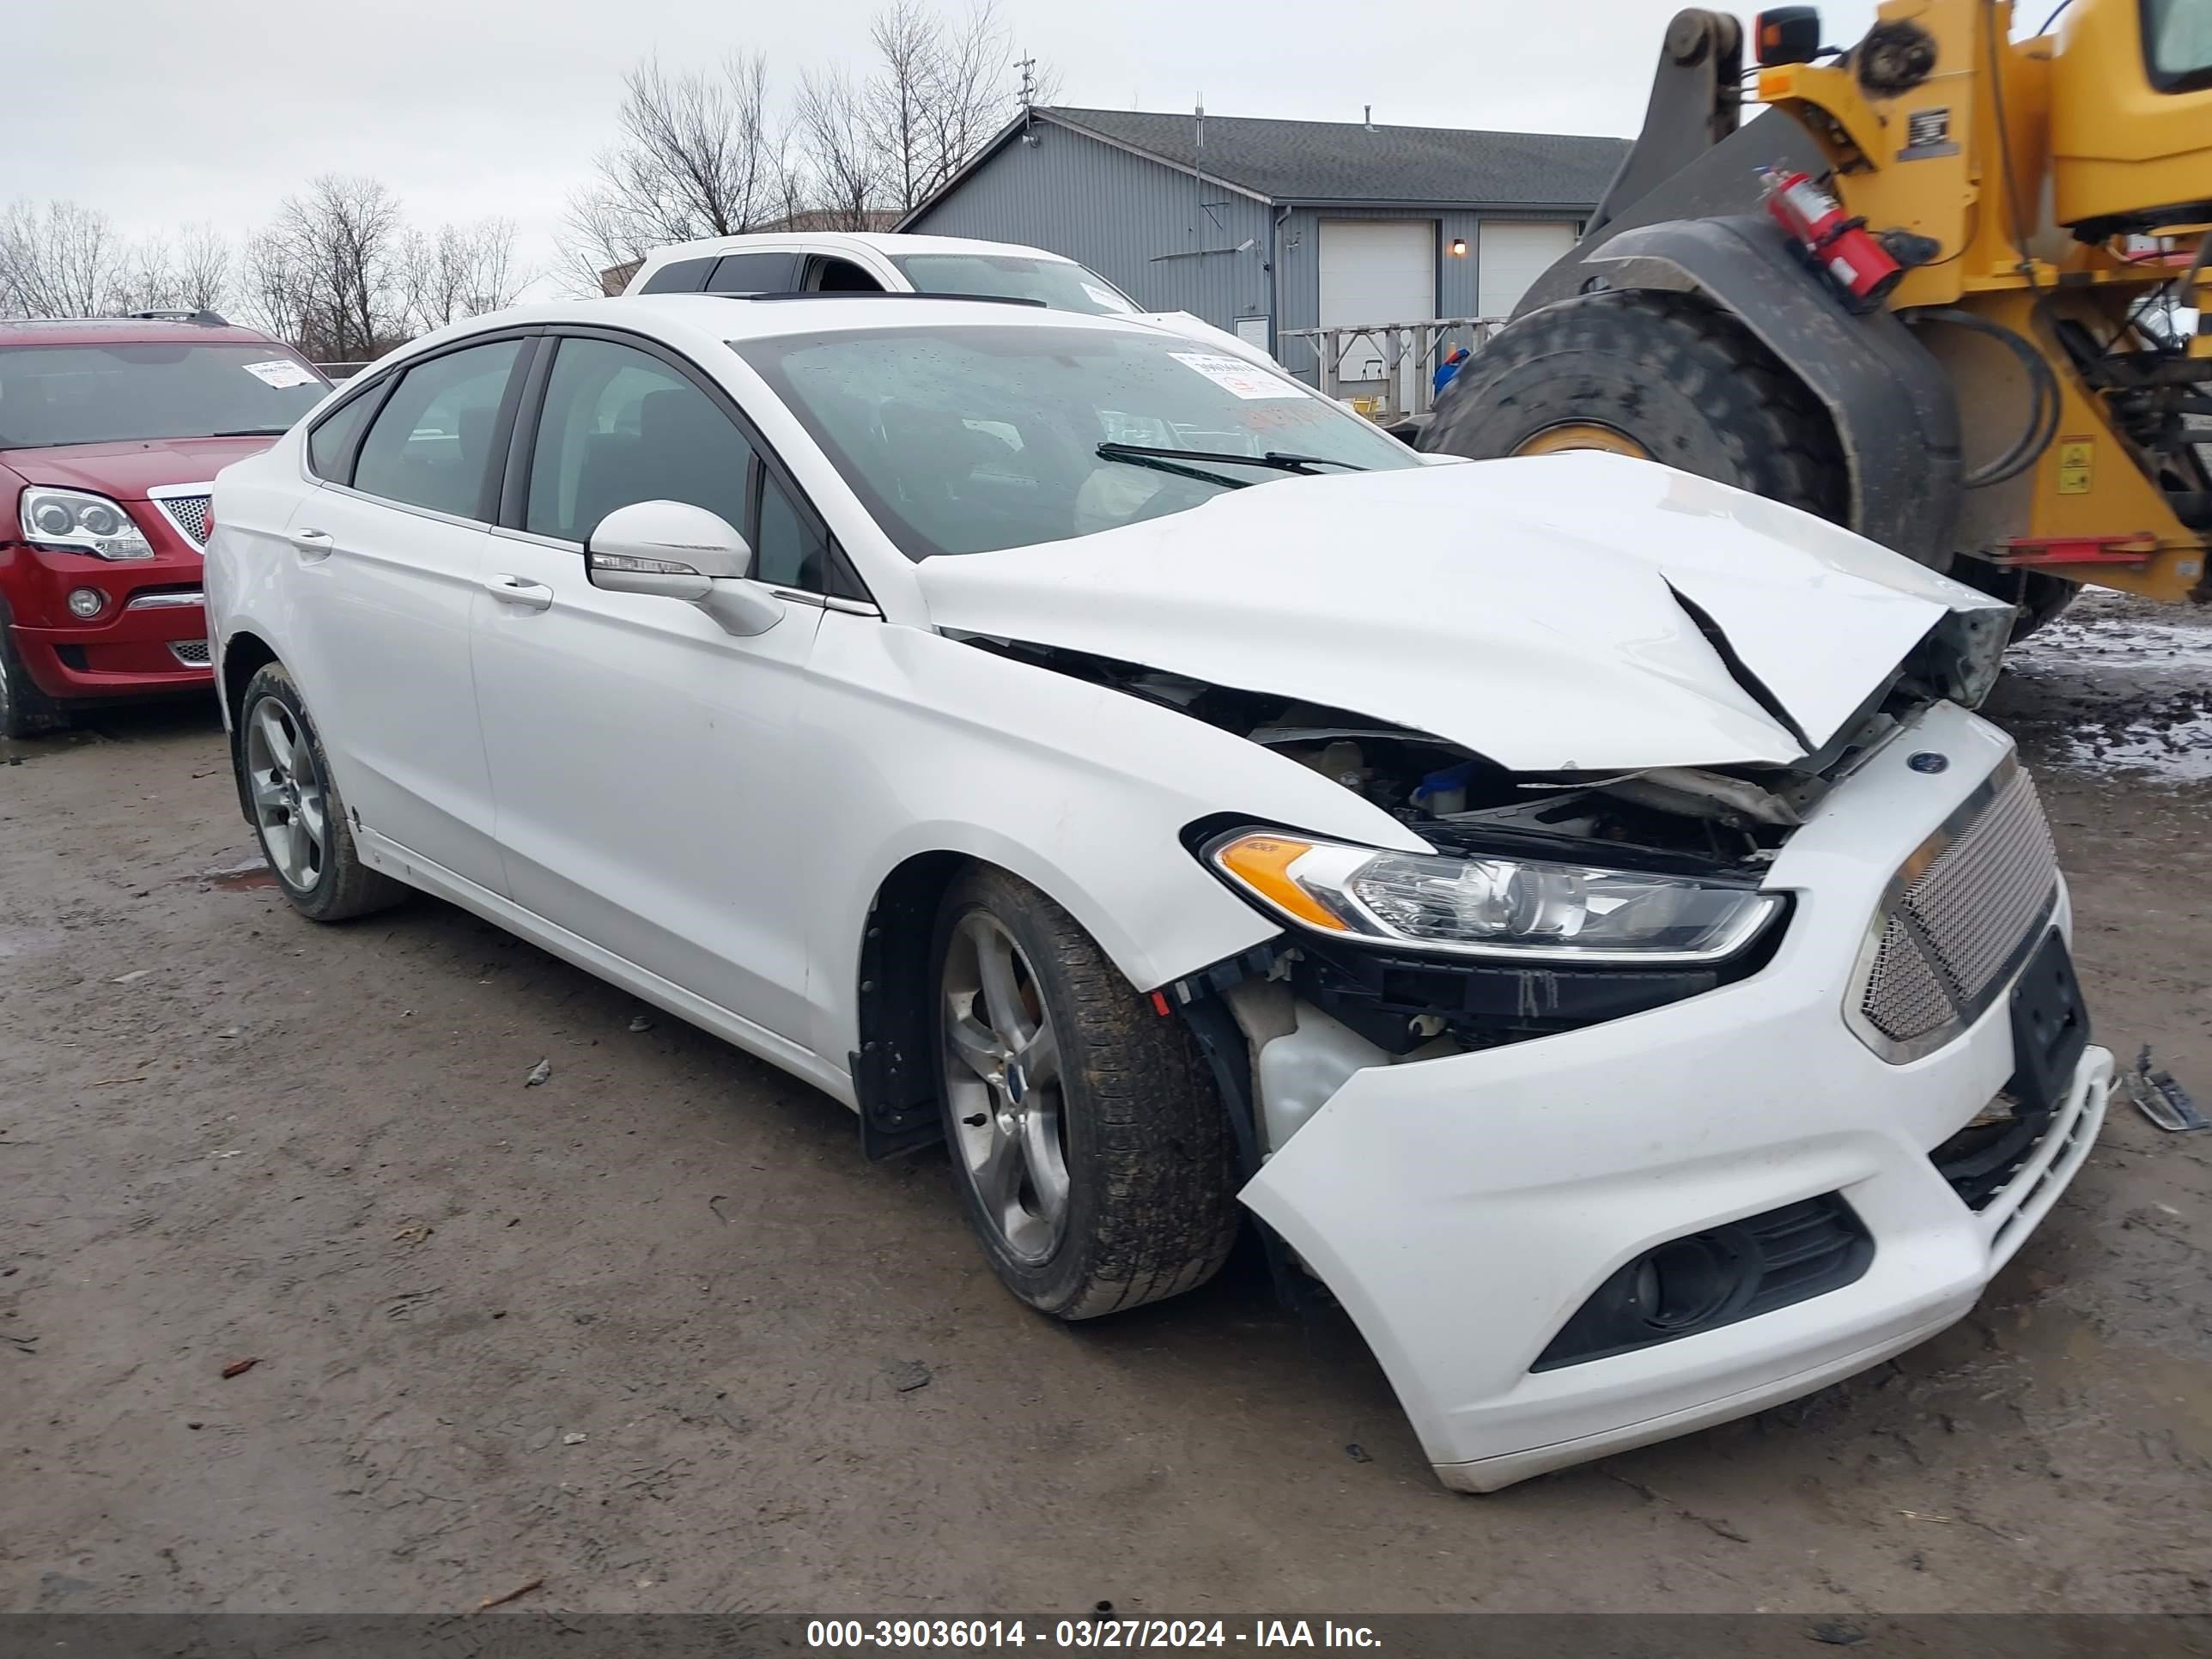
(1567, 902)
(852, 262)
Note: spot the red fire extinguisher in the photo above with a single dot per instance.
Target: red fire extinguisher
(1858, 265)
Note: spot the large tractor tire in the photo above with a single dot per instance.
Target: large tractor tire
(1662, 376)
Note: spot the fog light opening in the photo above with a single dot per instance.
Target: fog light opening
(86, 603)
(1681, 1285)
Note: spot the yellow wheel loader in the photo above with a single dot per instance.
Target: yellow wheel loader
(2024, 400)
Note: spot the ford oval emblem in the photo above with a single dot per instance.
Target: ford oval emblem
(1929, 761)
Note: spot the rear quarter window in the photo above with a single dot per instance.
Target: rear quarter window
(331, 444)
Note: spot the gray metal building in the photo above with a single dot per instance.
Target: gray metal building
(1262, 227)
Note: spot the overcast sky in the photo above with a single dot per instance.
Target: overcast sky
(158, 113)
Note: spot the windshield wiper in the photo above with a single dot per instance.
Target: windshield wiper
(253, 432)
(1284, 458)
(1280, 461)
(1144, 455)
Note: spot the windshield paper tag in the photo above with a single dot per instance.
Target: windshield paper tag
(1234, 375)
(281, 372)
(1113, 302)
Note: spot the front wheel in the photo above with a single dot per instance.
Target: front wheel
(284, 777)
(25, 710)
(1088, 1148)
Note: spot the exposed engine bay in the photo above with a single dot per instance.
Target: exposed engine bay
(1686, 818)
(1305, 1012)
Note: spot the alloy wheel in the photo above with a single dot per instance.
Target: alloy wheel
(1002, 1076)
(290, 804)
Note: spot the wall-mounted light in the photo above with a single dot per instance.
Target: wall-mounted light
(1459, 247)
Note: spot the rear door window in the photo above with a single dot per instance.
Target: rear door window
(678, 276)
(431, 444)
(755, 273)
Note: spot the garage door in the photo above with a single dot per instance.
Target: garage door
(1509, 255)
(1376, 270)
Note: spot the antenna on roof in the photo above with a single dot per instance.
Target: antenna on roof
(1028, 67)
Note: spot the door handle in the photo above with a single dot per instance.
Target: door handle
(519, 591)
(312, 544)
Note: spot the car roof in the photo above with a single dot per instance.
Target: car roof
(126, 331)
(684, 319)
(734, 317)
(881, 241)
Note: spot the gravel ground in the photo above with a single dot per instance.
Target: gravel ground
(654, 1332)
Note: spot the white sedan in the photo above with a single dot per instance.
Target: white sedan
(1566, 902)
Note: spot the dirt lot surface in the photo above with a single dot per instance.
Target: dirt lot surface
(655, 1332)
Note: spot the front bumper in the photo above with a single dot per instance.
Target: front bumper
(1461, 1209)
(149, 640)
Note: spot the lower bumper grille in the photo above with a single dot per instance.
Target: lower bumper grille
(193, 654)
(1982, 1158)
(1959, 917)
(1715, 1277)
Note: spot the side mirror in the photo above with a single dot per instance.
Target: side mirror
(675, 551)
(1787, 35)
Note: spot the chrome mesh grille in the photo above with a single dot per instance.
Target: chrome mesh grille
(189, 515)
(1905, 997)
(1950, 935)
(193, 654)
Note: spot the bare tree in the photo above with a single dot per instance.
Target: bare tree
(700, 154)
(844, 168)
(275, 287)
(463, 271)
(940, 89)
(61, 260)
(334, 252)
(202, 268)
(908, 43)
(971, 91)
(143, 279)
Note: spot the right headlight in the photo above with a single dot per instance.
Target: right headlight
(81, 522)
(1494, 907)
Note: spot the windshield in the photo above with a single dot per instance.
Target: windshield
(92, 394)
(2178, 39)
(1061, 284)
(968, 440)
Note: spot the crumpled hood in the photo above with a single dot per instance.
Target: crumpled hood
(127, 470)
(1526, 610)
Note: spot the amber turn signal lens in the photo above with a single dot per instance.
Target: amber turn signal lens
(1262, 862)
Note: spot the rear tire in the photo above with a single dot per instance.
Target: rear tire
(25, 710)
(284, 778)
(1120, 1178)
(1685, 384)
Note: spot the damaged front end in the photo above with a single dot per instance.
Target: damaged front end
(1547, 902)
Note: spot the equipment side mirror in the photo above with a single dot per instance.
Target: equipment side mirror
(675, 551)
(1787, 35)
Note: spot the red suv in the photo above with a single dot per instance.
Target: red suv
(112, 431)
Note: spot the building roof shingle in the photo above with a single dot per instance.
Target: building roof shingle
(1328, 161)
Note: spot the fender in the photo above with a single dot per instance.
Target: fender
(1895, 413)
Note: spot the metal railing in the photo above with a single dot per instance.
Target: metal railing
(1392, 365)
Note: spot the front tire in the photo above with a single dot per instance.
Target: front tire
(25, 710)
(284, 778)
(1088, 1148)
(1659, 375)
